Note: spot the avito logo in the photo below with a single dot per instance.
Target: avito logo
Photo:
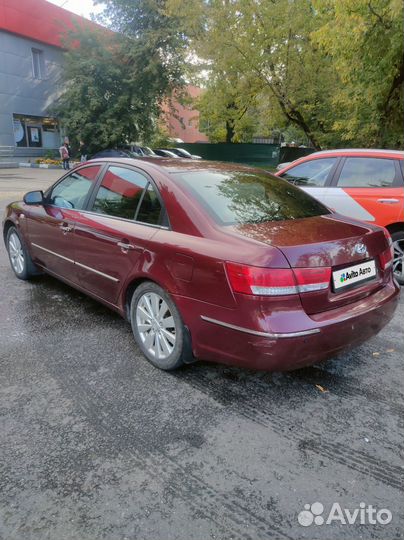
(366, 513)
(348, 275)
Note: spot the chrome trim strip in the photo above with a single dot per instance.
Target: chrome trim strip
(76, 263)
(133, 221)
(96, 272)
(53, 253)
(164, 227)
(261, 334)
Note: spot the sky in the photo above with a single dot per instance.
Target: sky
(80, 7)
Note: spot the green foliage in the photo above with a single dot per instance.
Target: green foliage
(115, 82)
(365, 40)
(51, 154)
(261, 49)
(332, 69)
(160, 138)
(99, 104)
(327, 72)
(228, 110)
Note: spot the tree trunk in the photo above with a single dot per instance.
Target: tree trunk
(295, 117)
(298, 120)
(229, 131)
(387, 109)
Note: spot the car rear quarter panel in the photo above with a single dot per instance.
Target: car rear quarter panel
(193, 267)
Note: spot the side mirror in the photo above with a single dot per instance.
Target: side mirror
(33, 197)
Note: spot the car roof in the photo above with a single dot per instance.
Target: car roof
(172, 165)
(176, 166)
(367, 151)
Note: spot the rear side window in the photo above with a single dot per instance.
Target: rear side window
(240, 197)
(311, 173)
(120, 192)
(150, 207)
(367, 172)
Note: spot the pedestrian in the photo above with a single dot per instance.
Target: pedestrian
(83, 151)
(65, 155)
(67, 143)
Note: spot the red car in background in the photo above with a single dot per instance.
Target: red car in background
(362, 184)
(209, 260)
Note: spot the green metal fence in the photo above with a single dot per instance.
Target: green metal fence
(258, 155)
(252, 154)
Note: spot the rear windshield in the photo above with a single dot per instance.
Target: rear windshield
(241, 197)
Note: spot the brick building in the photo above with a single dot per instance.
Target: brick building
(182, 121)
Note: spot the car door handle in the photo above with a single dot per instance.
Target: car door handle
(125, 246)
(66, 228)
(388, 201)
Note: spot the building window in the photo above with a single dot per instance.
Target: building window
(38, 66)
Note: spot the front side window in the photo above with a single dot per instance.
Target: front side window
(72, 191)
(240, 197)
(120, 192)
(311, 173)
(367, 172)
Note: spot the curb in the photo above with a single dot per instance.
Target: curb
(27, 165)
(38, 166)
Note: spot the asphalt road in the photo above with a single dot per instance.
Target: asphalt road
(97, 444)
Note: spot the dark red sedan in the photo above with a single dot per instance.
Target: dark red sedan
(207, 260)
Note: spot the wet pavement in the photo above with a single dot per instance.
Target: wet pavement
(98, 444)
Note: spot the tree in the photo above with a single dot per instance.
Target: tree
(266, 44)
(115, 82)
(229, 110)
(365, 40)
(333, 69)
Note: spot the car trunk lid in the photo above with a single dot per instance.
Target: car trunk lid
(350, 249)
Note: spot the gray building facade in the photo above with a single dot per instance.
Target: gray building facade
(32, 36)
(29, 85)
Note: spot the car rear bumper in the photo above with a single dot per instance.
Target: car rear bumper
(316, 338)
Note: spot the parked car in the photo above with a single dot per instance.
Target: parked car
(214, 261)
(281, 166)
(139, 151)
(147, 151)
(363, 184)
(115, 152)
(181, 152)
(165, 153)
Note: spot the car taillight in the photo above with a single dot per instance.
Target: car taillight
(387, 256)
(276, 281)
(313, 279)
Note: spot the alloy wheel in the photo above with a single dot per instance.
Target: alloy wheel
(156, 325)
(398, 261)
(16, 252)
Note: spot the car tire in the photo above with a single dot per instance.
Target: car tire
(20, 259)
(158, 328)
(398, 263)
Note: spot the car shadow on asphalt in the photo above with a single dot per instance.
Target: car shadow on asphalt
(50, 298)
